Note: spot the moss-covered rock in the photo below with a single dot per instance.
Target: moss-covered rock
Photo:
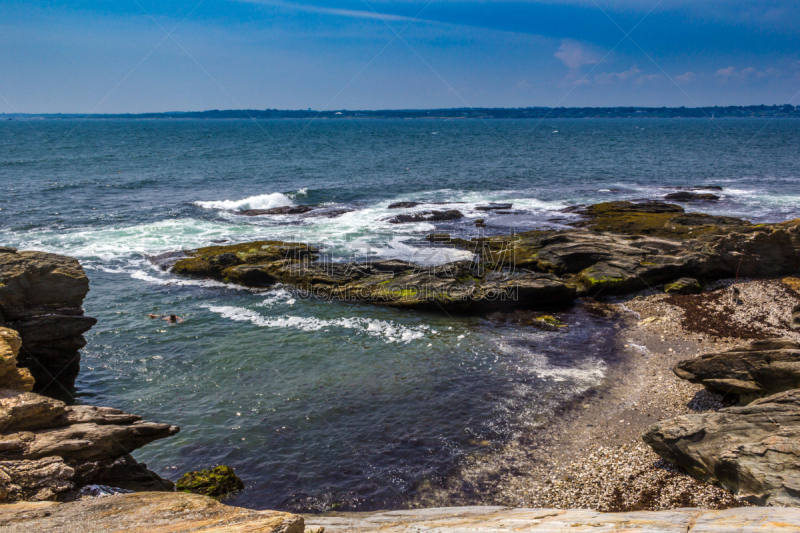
(216, 483)
(656, 219)
(683, 286)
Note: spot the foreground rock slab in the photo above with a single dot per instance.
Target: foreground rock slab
(505, 520)
(753, 451)
(758, 369)
(148, 512)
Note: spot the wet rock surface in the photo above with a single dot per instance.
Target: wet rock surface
(41, 297)
(144, 512)
(753, 450)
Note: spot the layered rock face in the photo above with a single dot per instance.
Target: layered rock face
(41, 296)
(47, 447)
(753, 451)
(759, 369)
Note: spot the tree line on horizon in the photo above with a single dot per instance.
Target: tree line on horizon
(754, 111)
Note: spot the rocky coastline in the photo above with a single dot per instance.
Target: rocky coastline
(693, 416)
(49, 449)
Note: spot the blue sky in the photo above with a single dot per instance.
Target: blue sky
(109, 56)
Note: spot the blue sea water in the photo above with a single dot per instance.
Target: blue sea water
(321, 405)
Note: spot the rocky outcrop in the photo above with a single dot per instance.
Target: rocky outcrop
(753, 451)
(144, 512)
(48, 447)
(758, 369)
(41, 295)
(457, 286)
(624, 247)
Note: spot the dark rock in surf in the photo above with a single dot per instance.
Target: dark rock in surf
(285, 210)
(493, 207)
(403, 205)
(428, 216)
(685, 196)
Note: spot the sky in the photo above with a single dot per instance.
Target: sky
(133, 56)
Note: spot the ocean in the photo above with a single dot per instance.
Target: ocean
(350, 406)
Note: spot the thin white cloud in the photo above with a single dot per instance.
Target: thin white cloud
(349, 13)
(611, 77)
(574, 54)
(685, 78)
(732, 73)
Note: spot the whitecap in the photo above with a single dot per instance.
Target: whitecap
(262, 201)
(389, 331)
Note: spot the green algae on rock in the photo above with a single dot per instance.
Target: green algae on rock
(683, 286)
(216, 483)
(621, 247)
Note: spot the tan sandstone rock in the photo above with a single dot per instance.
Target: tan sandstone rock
(144, 512)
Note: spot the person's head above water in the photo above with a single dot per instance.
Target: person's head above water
(173, 318)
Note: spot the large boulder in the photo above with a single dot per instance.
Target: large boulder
(753, 451)
(758, 369)
(41, 295)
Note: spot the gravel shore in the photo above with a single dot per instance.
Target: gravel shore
(593, 456)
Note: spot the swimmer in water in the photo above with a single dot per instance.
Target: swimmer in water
(172, 319)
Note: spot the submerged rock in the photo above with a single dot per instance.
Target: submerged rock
(753, 451)
(758, 369)
(215, 483)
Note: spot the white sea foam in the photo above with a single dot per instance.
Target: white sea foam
(166, 281)
(389, 331)
(262, 201)
(278, 296)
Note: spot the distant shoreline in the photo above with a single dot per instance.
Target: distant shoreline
(756, 111)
